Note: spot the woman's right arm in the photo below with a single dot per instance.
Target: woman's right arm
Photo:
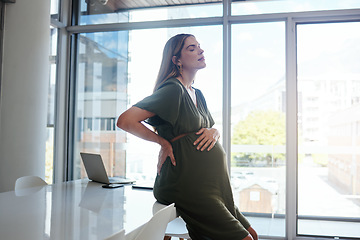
(131, 121)
(253, 233)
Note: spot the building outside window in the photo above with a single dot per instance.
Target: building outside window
(329, 160)
(101, 95)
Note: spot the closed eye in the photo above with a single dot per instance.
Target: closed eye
(191, 47)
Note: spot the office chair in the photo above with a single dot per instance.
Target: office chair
(28, 182)
(155, 228)
(175, 228)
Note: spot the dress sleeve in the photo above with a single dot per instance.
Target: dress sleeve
(242, 218)
(164, 103)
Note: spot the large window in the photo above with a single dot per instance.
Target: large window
(329, 129)
(258, 124)
(282, 82)
(114, 73)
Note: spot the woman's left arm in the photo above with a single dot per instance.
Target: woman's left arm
(207, 139)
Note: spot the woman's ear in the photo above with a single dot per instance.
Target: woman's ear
(174, 60)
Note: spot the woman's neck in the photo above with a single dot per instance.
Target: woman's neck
(186, 79)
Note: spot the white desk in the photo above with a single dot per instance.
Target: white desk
(73, 210)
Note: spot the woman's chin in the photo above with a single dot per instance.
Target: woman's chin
(203, 65)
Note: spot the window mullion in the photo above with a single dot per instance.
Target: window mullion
(227, 81)
(291, 130)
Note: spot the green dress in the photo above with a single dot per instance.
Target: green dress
(199, 183)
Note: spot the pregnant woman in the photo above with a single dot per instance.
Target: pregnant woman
(192, 170)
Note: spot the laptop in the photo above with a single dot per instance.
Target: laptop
(96, 171)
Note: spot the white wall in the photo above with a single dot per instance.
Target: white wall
(24, 91)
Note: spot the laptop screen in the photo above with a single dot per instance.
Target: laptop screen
(94, 167)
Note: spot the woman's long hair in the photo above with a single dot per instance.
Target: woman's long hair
(168, 69)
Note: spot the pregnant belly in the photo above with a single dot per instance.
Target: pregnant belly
(203, 163)
(204, 173)
(197, 173)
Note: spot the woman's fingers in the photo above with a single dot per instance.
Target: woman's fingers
(172, 158)
(165, 152)
(201, 131)
(211, 145)
(207, 139)
(160, 163)
(201, 137)
(159, 166)
(204, 144)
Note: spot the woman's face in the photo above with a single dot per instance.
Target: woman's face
(192, 57)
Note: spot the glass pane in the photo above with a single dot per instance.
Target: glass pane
(101, 97)
(280, 6)
(100, 12)
(113, 73)
(52, 77)
(329, 129)
(55, 9)
(51, 106)
(258, 124)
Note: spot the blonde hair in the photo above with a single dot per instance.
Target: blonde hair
(168, 69)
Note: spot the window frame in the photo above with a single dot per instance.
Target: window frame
(61, 114)
(65, 96)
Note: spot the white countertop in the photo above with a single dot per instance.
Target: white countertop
(73, 210)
